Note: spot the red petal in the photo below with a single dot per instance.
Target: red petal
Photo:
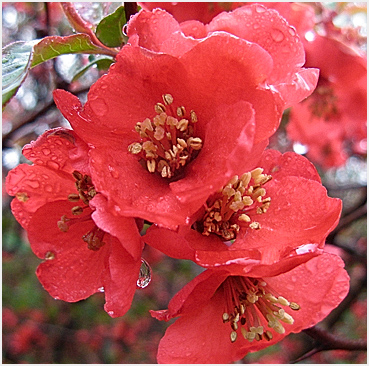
(303, 202)
(268, 29)
(76, 272)
(288, 164)
(196, 293)
(152, 28)
(223, 154)
(200, 337)
(120, 284)
(318, 286)
(123, 228)
(58, 149)
(34, 186)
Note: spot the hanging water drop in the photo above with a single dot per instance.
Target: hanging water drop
(144, 276)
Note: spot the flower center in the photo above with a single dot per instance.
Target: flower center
(324, 104)
(86, 191)
(167, 141)
(230, 208)
(252, 306)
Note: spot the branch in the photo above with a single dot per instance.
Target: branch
(324, 341)
(130, 8)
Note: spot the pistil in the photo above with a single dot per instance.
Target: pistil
(251, 306)
(168, 141)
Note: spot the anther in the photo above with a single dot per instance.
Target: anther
(77, 210)
(193, 117)
(255, 226)
(168, 99)
(233, 336)
(73, 197)
(195, 143)
(294, 306)
(49, 256)
(22, 196)
(159, 108)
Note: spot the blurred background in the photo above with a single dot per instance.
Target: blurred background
(39, 329)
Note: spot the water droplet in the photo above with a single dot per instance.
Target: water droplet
(99, 107)
(292, 31)
(48, 188)
(33, 184)
(101, 289)
(111, 313)
(52, 165)
(260, 9)
(144, 277)
(277, 35)
(46, 151)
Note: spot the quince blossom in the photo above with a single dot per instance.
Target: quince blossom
(85, 248)
(225, 313)
(333, 120)
(159, 31)
(278, 210)
(166, 131)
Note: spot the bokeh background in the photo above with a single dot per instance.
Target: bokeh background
(38, 329)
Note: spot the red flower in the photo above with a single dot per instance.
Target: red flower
(226, 313)
(160, 32)
(86, 247)
(182, 11)
(277, 211)
(168, 131)
(332, 121)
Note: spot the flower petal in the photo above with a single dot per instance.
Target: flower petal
(75, 272)
(293, 199)
(120, 284)
(123, 228)
(33, 186)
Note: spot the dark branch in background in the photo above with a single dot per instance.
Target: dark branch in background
(324, 341)
(130, 8)
(349, 218)
(7, 138)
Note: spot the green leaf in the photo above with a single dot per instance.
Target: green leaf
(50, 47)
(16, 60)
(110, 29)
(102, 63)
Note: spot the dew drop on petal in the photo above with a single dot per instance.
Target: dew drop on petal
(144, 277)
(48, 188)
(53, 165)
(260, 9)
(101, 289)
(99, 107)
(46, 151)
(277, 35)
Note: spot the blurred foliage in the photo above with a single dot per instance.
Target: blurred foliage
(38, 329)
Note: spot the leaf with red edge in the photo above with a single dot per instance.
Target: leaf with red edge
(50, 47)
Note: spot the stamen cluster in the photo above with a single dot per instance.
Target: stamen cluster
(251, 306)
(233, 205)
(86, 191)
(325, 103)
(167, 142)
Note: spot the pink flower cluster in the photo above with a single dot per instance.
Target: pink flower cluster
(175, 137)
